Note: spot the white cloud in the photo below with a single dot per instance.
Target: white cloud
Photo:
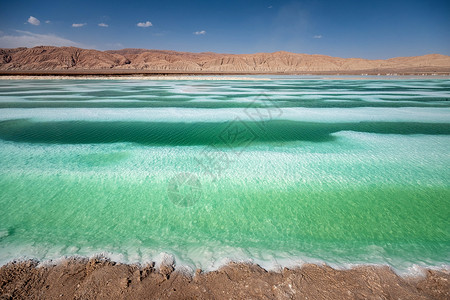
(79, 24)
(47, 22)
(144, 24)
(318, 36)
(103, 25)
(33, 21)
(270, 6)
(29, 39)
(201, 32)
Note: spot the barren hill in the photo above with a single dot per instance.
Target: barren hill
(45, 58)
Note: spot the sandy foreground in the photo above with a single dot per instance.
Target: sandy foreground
(100, 278)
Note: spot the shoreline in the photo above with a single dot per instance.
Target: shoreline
(123, 73)
(220, 77)
(99, 277)
(189, 263)
(121, 77)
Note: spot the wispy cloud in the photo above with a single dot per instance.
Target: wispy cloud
(29, 39)
(201, 32)
(144, 24)
(115, 45)
(47, 22)
(79, 24)
(103, 25)
(270, 6)
(317, 36)
(33, 21)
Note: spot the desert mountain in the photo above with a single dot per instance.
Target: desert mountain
(71, 58)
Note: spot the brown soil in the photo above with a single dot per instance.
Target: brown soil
(99, 278)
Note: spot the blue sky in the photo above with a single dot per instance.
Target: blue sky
(345, 28)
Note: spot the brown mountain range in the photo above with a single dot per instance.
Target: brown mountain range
(47, 58)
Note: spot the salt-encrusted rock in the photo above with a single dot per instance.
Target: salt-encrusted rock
(167, 265)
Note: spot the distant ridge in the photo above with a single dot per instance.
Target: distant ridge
(49, 58)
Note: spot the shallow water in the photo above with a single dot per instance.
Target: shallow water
(280, 172)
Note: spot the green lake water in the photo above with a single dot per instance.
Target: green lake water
(277, 172)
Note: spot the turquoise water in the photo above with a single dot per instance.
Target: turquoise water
(281, 172)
